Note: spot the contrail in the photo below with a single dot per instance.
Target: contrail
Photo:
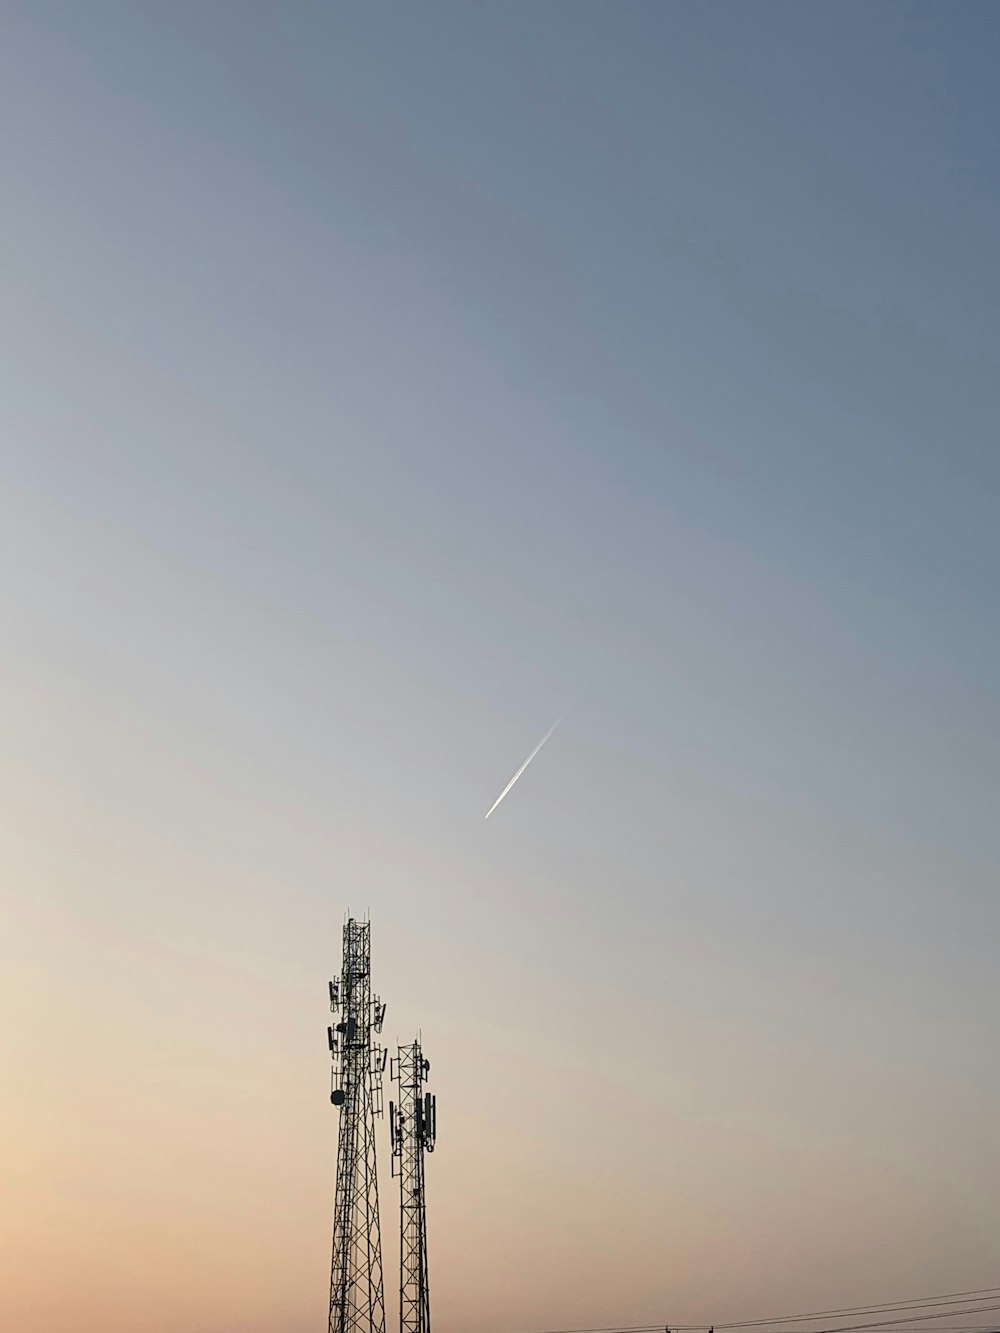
(522, 768)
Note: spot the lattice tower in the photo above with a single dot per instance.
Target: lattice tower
(413, 1129)
(357, 1302)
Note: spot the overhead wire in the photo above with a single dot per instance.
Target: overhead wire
(951, 1298)
(907, 1319)
(931, 1308)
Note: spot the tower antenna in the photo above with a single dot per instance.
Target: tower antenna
(357, 1303)
(412, 1130)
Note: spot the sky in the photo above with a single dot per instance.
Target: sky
(380, 383)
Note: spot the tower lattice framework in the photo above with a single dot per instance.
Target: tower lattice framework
(413, 1129)
(357, 1302)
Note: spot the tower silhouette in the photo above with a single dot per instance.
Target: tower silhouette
(412, 1129)
(357, 1302)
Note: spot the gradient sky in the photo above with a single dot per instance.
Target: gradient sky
(379, 381)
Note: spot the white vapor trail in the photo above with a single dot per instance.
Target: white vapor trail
(522, 768)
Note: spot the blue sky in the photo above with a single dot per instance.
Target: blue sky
(381, 381)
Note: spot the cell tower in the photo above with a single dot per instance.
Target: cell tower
(412, 1130)
(357, 1303)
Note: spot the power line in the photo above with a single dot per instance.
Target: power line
(908, 1319)
(987, 1299)
(952, 1298)
(901, 1324)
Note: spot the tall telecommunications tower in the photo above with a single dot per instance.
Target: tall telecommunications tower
(357, 1304)
(412, 1129)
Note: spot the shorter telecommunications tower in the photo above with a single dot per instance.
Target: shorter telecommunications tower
(357, 1303)
(412, 1129)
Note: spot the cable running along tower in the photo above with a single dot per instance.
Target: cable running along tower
(357, 1303)
(412, 1130)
